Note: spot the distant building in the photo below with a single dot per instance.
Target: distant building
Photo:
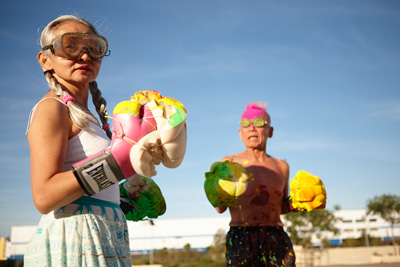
(356, 223)
(3, 242)
(199, 233)
(19, 239)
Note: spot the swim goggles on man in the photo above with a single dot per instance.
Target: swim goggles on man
(257, 122)
(71, 45)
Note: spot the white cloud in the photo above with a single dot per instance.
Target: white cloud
(389, 109)
(308, 144)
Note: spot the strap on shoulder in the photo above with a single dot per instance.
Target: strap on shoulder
(34, 108)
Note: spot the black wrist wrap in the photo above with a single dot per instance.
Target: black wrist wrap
(97, 173)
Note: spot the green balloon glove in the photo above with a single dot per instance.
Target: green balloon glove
(141, 198)
(225, 182)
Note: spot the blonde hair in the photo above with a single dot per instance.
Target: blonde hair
(79, 116)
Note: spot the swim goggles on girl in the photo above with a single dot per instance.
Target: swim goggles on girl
(257, 122)
(71, 45)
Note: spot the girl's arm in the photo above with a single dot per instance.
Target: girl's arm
(48, 136)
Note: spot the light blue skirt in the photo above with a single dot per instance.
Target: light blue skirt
(88, 233)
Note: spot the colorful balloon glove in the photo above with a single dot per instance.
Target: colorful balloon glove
(307, 192)
(141, 198)
(166, 143)
(131, 122)
(225, 182)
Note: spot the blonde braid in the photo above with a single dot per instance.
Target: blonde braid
(100, 103)
(78, 116)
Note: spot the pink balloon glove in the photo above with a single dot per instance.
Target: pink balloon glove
(132, 120)
(167, 144)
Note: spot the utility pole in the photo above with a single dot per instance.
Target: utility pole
(366, 232)
(151, 242)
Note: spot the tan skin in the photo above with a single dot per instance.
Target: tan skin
(265, 198)
(52, 126)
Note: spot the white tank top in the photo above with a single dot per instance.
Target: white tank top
(83, 145)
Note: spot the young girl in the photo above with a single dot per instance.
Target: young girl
(75, 229)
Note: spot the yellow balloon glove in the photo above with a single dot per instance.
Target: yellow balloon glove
(307, 192)
(225, 182)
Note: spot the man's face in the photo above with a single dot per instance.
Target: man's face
(256, 137)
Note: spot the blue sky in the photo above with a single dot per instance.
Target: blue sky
(328, 70)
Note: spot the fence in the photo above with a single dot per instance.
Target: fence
(345, 256)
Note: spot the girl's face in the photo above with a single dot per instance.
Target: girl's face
(77, 72)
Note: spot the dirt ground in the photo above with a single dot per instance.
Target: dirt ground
(370, 265)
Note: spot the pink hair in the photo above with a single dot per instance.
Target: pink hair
(255, 110)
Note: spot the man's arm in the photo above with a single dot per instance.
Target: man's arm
(286, 202)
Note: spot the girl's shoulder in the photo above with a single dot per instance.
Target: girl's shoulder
(49, 109)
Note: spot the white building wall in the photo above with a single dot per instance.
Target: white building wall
(355, 223)
(19, 239)
(199, 232)
(175, 233)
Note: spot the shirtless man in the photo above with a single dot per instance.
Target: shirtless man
(256, 236)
